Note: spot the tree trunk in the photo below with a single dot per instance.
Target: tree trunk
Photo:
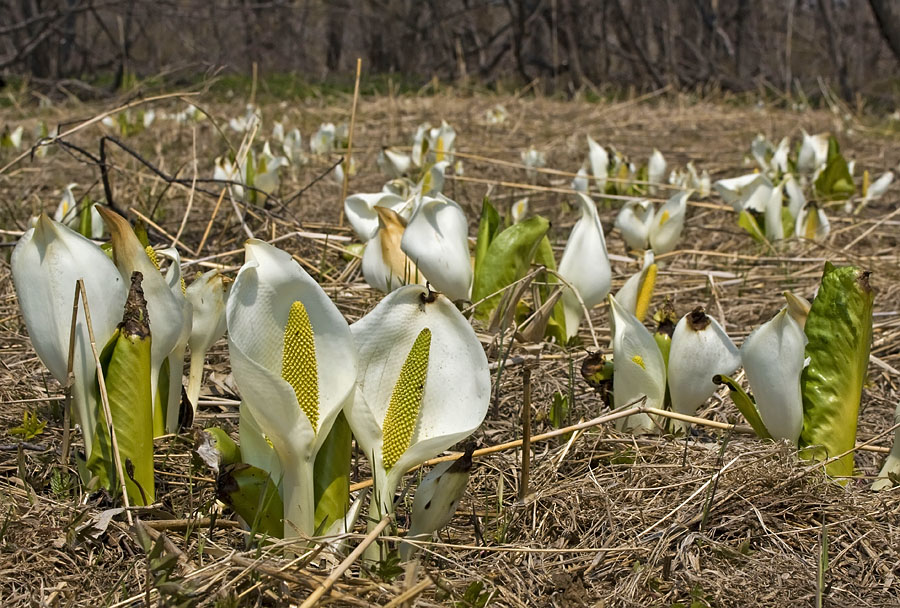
(887, 14)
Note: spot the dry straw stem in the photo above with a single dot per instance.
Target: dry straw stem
(104, 400)
(347, 157)
(357, 552)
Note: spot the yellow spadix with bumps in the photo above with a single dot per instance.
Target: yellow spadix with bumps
(298, 363)
(406, 399)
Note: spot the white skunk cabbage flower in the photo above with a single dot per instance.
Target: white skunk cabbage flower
(67, 210)
(580, 181)
(420, 144)
(247, 121)
(423, 385)
(432, 182)
(384, 265)
(393, 163)
(278, 132)
(442, 142)
(436, 239)
(701, 183)
(760, 148)
(796, 198)
(634, 296)
(640, 368)
(294, 362)
(518, 210)
(338, 173)
(700, 349)
(322, 142)
(774, 226)
(585, 265)
(46, 263)
(533, 159)
(656, 169)
(779, 162)
(634, 221)
(165, 305)
(812, 223)
(668, 223)
(773, 357)
(292, 146)
(228, 171)
(598, 159)
(266, 173)
(436, 499)
(878, 187)
(496, 115)
(813, 153)
(207, 297)
(12, 139)
(736, 191)
(176, 357)
(359, 210)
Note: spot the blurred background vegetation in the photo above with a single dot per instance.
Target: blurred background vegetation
(779, 47)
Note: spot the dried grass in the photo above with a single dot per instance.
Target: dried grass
(611, 519)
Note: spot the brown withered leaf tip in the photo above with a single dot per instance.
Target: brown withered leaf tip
(136, 321)
(698, 320)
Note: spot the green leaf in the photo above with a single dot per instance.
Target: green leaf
(31, 426)
(487, 230)
(748, 222)
(126, 369)
(161, 400)
(745, 404)
(556, 326)
(788, 222)
(252, 494)
(85, 219)
(507, 260)
(835, 181)
(331, 479)
(559, 410)
(839, 328)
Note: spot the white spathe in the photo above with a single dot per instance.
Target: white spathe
(813, 153)
(360, 211)
(457, 383)
(773, 357)
(668, 223)
(736, 191)
(207, 297)
(656, 170)
(598, 159)
(585, 265)
(812, 223)
(774, 226)
(627, 296)
(640, 368)
(46, 264)
(257, 310)
(436, 240)
(634, 222)
(700, 349)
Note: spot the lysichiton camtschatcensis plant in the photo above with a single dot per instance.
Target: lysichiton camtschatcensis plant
(813, 402)
(294, 362)
(46, 264)
(167, 308)
(839, 328)
(423, 385)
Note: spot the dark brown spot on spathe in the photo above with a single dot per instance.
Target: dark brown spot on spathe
(698, 320)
